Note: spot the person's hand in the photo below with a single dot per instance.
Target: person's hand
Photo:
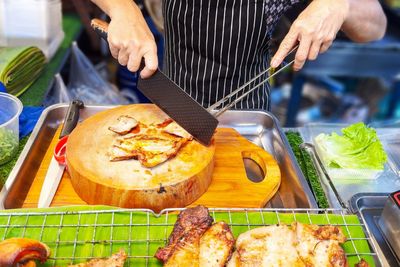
(314, 30)
(130, 40)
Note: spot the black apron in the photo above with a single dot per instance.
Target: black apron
(214, 46)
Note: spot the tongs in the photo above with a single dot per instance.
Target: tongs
(213, 109)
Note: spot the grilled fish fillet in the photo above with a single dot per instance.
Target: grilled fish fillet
(216, 245)
(116, 260)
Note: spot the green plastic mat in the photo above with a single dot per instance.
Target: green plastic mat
(77, 234)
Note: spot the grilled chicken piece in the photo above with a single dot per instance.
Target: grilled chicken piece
(319, 245)
(300, 245)
(216, 245)
(149, 150)
(266, 246)
(174, 129)
(125, 125)
(183, 243)
(116, 260)
(16, 251)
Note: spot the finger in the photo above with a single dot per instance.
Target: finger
(314, 50)
(134, 62)
(302, 52)
(325, 46)
(287, 44)
(151, 64)
(114, 51)
(123, 56)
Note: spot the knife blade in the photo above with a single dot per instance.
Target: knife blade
(171, 99)
(56, 170)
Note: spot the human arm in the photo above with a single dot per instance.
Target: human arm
(129, 37)
(317, 26)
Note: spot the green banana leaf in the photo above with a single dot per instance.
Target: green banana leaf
(78, 233)
(20, 67)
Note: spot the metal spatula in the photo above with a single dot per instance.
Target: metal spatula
(176, 103)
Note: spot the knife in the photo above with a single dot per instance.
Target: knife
(171, 99)
(56, 170)
(181, 107)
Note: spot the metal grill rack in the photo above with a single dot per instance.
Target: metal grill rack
(78, 236)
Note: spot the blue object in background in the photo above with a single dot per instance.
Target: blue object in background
(28, 119)
(2, 88)
(128, 80)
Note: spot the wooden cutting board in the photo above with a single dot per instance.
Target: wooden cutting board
(229, 185)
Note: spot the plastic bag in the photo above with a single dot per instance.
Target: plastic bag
(59, 92)
(86, 84)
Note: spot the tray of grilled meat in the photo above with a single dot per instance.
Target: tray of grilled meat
(197, 236)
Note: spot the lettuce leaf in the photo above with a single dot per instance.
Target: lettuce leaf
(358, 148)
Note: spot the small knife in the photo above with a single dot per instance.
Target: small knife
(56, 170)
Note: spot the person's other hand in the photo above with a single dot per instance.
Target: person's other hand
(314, 30)
(130, 40)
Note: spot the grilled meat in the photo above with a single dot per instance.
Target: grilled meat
(300, 245)
(150, 144)
(319, 245)
(216, 245)
(174, 129)
(22, 251)
(125, 125)
(116, 260)
(266, 246)
(183, 243)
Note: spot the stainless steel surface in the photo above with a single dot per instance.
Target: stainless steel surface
(332, 195)
(369, 207)
(390, 223)
(50, 183)
(259, 127)
(110, 221)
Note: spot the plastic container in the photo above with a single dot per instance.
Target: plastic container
(31, 22)
(10, 109)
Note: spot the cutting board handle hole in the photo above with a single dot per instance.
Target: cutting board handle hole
(254, 166)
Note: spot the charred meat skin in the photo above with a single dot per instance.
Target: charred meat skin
(16, 251)
(191, 224)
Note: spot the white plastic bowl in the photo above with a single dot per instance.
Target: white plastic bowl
(10, 109)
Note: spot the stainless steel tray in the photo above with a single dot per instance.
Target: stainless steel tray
(369, 207)
(262, 128)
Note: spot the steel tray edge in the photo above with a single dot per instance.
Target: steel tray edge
(27, 149)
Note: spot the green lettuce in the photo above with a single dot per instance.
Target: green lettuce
(358, 148)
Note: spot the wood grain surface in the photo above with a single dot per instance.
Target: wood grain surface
(229, 186)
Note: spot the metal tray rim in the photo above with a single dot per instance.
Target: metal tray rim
(13, 174)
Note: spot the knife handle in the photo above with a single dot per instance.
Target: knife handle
(71, 118)
(101, 28)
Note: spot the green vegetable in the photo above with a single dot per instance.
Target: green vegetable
(6, 168)
(308, 169)
(358, 148)
(8, 144)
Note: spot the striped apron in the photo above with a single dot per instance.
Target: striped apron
(214, 46)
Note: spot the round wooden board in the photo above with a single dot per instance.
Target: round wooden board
(175, 183)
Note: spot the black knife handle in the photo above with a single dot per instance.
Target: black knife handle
(101, 28)
(71, 118)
